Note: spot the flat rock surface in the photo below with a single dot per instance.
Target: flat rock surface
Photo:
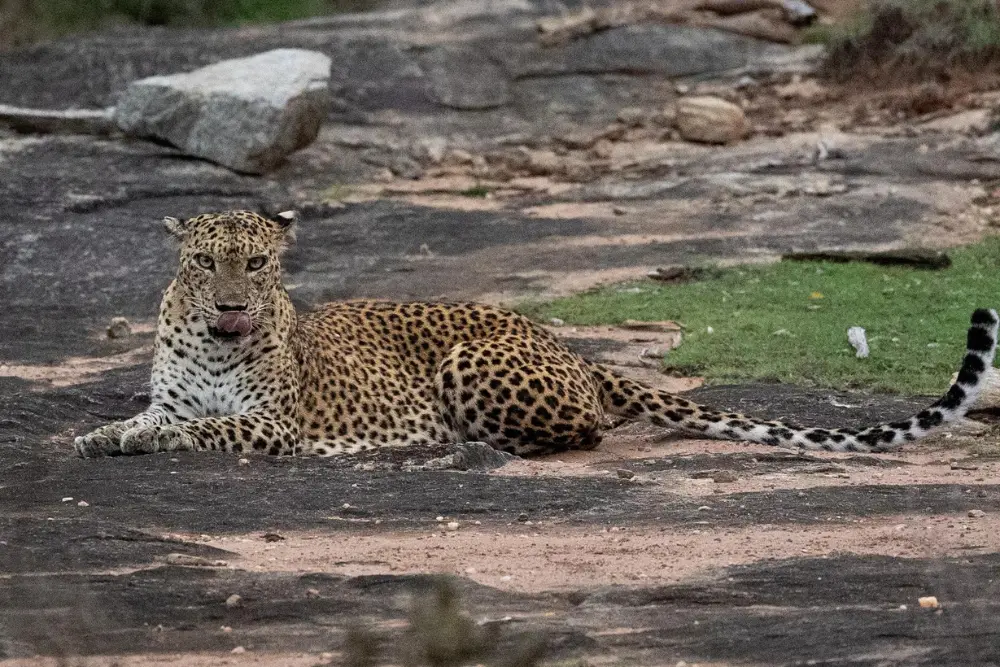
(650, 550)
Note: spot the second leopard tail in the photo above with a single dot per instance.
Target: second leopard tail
(631, 399)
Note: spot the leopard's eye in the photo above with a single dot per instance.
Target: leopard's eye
(256, 263)
(204, 261)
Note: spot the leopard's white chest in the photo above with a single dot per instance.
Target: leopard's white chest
(209, 384)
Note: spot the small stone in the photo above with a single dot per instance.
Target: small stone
(312, 593)
(273, 537)
(506, 577)
(452, 525)
(624, 473)
(243, 462)
(543, 162)
(83, 503)
(929, 602)
(704, 508)
(238, 650)
(233, 601)
(556, 322)
(724, 477)
(711, 120)
(977, 514)
(439, 518)
(522, 517)
(963, 465)
(226, 629)
(119, 328)
(68, 499)
(470, 570)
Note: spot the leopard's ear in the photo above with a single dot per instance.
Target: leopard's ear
(286, 222)
(176, 228)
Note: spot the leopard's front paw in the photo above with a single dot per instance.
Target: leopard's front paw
(150, 439)
(104, 441)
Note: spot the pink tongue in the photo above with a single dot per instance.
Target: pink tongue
(234, 322)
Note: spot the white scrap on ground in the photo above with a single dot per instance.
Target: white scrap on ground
(856, 337)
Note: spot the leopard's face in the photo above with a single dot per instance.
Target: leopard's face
(230, 271)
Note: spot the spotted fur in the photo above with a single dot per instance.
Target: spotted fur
(363, 374)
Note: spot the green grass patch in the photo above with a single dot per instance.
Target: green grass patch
(923, 35)
(788, 321)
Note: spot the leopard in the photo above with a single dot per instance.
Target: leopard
(237, 369)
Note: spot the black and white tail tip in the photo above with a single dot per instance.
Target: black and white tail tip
(980, 349)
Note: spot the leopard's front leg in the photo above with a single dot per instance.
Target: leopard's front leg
(260, 431)
(107, 440)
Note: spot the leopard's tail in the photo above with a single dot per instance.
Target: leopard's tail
(627, 398)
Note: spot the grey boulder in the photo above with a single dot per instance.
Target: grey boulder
(247, 114)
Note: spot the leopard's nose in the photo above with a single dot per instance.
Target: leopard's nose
(226, 307)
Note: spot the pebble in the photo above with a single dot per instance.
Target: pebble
(522, 517)
(439, 518)
(929, 602)
(977, 514)
(119, 328)
(272, 537)
(704, 508)
(238, 649)
(624, 474)
(68, 499)
(556, 322)
(83, 503)
(244, 462)
(234, 601)
(226, 629)
(452, 525)
(312, 593)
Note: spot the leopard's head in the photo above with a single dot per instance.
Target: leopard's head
(230, 271)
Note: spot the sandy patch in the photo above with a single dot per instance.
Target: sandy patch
(455, 202)
(545, 556)
(75, 370)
